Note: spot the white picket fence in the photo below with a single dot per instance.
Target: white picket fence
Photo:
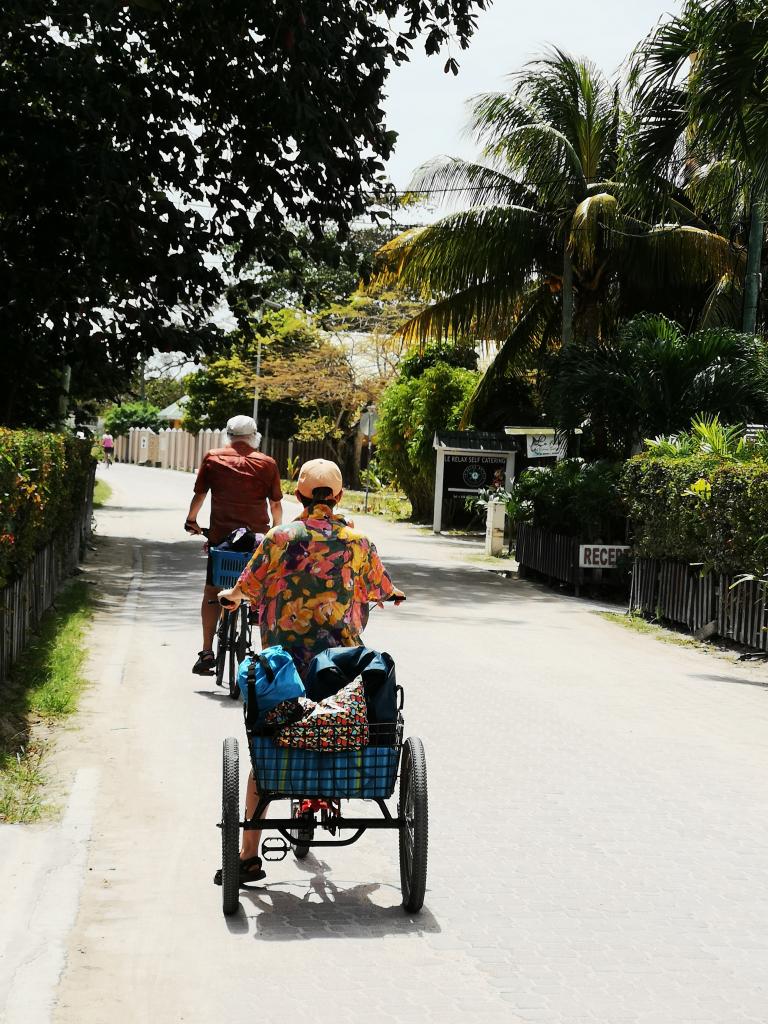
(171, 448)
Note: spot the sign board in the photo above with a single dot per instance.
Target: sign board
(368, 422)
(545, 446)
(601, 556)
(471, 472)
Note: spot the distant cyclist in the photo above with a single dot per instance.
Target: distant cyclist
(245, 491)
(108, 447)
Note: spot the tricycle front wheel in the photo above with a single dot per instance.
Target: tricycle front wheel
(414, 828)
(230, 827)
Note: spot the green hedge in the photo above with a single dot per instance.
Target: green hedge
(42, 486)
(575, 498)
(722, 522)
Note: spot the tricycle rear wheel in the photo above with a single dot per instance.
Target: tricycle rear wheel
(303, 836)
(230, 827)
(414, 829)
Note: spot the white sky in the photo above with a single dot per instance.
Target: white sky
(427, 107)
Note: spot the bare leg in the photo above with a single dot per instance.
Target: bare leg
(210, 616)
(251, 838)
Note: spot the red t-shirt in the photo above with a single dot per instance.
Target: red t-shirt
(240, 480)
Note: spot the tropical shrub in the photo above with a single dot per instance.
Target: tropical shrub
(702, 508)
(651, 379)
(411, 410)
(43, 478)
(576, 499)
(119, 419)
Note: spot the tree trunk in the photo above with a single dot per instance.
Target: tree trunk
(752, 277)
(567, 334)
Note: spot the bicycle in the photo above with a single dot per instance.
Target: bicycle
(233, 633)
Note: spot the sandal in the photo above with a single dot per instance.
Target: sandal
(205, 664)
(250, 871)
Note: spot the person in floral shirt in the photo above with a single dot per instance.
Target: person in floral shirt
(314, 578)
(312, 581)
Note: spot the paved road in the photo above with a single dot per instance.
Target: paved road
(599, 840)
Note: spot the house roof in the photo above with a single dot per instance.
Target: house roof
(174, 411)
(474, 440)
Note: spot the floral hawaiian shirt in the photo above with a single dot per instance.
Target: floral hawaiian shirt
(312, 580)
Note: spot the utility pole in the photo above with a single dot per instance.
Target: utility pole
(256, 387)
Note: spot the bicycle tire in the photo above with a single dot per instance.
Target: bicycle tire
(221, 646)
(230, 827)
(413, 810)
(232, 641)
(303, 836)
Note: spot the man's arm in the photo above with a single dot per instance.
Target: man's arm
(276, 511)
(195, 505)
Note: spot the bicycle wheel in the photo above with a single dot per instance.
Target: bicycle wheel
(303, 836)
(412, 809)
(222, 636)
(233, 641)
(230, 827)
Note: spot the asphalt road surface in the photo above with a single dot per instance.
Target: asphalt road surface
(598, 843)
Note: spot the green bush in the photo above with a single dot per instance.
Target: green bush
(43, 478)
(699, 509)
(576, 499)
(119, 419)
(411, 410)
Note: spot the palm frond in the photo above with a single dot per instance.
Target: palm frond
(483, 310)
(674, 255)
(466, 249)
(458, 181)
(591, 226)
(534, 330)
(723, 305)
(548, 160)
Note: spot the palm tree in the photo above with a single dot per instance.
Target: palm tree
(654, 379)
(708, 128)
(547, 249)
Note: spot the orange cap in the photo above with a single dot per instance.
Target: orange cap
(319, 473)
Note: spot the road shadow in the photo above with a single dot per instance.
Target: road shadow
(321, 909)
(761, 684)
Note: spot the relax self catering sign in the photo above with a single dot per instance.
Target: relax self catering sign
(601, 556)
(472, 472)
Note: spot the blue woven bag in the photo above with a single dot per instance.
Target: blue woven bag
(266, 678)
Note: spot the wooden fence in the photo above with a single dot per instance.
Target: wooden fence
(551, 554)
(679, 593)
(24, 602)
(173, 448)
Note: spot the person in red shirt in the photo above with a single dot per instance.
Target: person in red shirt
(242, 481)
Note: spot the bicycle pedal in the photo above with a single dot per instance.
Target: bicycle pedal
(274, 848)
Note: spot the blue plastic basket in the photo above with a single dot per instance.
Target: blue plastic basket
(365, 774)
(226, 566)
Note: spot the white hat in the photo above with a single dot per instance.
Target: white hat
(244, 428)
(241, 426)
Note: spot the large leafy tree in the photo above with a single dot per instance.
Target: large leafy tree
(137, 137)
(700, 82)
(549, 249)
(652, 379)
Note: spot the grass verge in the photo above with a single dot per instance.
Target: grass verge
(102, 492)
(43, 689)
(638, 624)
